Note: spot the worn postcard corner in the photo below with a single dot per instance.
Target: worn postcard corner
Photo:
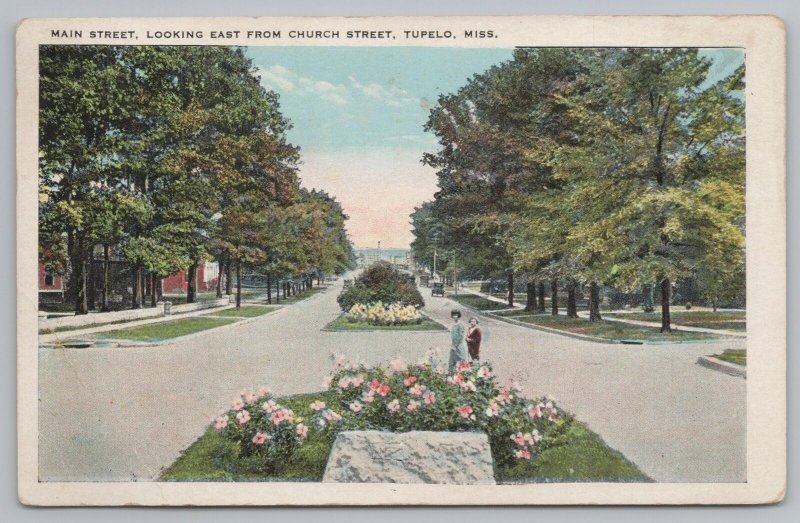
(401, 261)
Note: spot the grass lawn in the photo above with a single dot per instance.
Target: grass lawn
(246, 311)
(737, 356)
(576, 454)
(342, 324)
(685, 317)
(477, 302)
(611, 329)
(299, 296)
(167, 329)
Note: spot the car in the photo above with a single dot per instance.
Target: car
(348, 284)
(437, 289)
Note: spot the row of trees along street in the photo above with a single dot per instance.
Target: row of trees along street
(622, 168)
(168, 156)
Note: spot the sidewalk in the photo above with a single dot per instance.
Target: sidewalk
(62, 336)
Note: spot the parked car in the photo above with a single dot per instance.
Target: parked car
(437, 289)
(348, 284)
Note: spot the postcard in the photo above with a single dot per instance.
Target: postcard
(401, 261)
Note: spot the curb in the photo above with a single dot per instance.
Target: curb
(732, 369)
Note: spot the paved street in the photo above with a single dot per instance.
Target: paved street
(123, 414)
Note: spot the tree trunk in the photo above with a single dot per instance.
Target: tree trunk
(594, 302)
(77, 280)
(665, 296)
(648, 299)
(269, 288)
(91, 284)
(530, 296)
(238, 284)
(541, 297)
(220, 264)
(228, 278)
(136, 299)
(510, 288)
(153, 289)
(191, 289)
(554, 297)
(104, 298)
(572, 305)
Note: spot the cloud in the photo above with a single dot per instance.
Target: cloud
(392, 96)
(279, 78)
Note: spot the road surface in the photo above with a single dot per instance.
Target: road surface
(122, 414)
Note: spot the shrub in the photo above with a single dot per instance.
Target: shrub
(381, 282)
(380, 314)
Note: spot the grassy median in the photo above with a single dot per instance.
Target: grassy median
(246, 311)
(576, 454)
(166, 329)
(605, 329)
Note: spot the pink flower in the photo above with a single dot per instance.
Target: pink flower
(260, 438)
(459, 378)
(493, 410)
(534, 412)
(263, 391)
(384, 390)
(344, 383)
(484, 372)
(356, 406)
(369, 397)
(464, 366)
(398, 366)
(393, 406)
(464, 411)
(357, 381)
(237, 404)
(270, 406)
(409, 381)
(417, 390)
(332, 416)
(338, 360)
(249, 396)
(280, 415)
(374, 385)
(519, 439)
(302, 431)
(549, 405)
(429, 398)
(412, 405)
(317, 406)
(523, 454)
(468, 386)
(242, 417)
(327, 382)
(221, 423)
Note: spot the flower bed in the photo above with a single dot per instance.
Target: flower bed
(380, 314)
(266, 436)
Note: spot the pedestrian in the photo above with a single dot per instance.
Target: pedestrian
(474, 335)
(458, 347)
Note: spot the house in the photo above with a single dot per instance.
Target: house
(178, 283)
(51, 286)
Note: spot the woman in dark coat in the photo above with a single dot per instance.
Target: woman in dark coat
(474, 335)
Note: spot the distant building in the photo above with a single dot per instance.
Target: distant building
(178, 283)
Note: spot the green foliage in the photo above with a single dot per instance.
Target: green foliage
(381, 282)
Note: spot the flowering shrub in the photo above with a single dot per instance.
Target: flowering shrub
(417, 397)
(380, 314)
(266, 434)
(381, 282)
(401, 398)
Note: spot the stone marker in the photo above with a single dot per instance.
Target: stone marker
(368, 456)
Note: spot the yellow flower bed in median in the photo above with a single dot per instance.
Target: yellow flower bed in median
(380, 314)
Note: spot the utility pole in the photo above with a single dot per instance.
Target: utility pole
(379, 250)
(434, 264)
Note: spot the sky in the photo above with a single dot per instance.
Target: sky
(358, 115)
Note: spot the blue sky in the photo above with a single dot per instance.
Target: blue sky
(358, 116)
